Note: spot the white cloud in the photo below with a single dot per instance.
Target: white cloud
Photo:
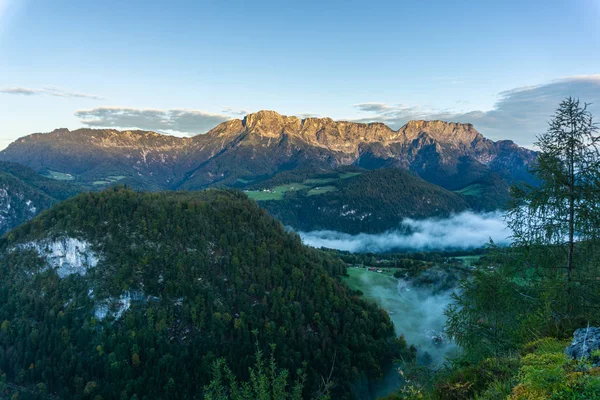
(49, 91)
(172, 120)
(466, 230)
(519, 114)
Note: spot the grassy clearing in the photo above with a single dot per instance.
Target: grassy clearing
(59, 176)
(115, 178)
(321, 190)
(471, 190)
(108, 180)
(364, 280)
(275, 193)
(319, 181)
(349, 175)
(468, 260)
(313, 184)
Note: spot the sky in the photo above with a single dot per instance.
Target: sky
(181, 67)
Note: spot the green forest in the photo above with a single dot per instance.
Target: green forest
(371, 201)
(209, 275)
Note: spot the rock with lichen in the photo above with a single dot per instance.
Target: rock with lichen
(586, 341)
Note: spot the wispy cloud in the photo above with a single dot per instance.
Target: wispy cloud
(466, 230)
(183, 121)
(235, 111)
(48, 91)
(519, 114)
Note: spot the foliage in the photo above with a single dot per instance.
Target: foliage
(373, 201)
(466, 380)
(487, 312)
(540, 287)
(563, 210)
(206, 268)
(544, 286)
(548, 373)
(24, 193)
(52, 188)
(490, 192)
(267, 382)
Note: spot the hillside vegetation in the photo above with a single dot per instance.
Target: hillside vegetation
(24, 194)
(357, 201)
(124, 295)
(523, 305)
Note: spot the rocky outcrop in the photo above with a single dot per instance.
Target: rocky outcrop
(586, 341)
(66, 255)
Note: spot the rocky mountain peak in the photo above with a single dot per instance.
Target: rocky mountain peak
(441, 131)
(326, 131)
(268, 123)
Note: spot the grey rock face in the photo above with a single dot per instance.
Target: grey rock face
(585, 342)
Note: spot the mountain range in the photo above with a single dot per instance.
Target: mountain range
(245, 151)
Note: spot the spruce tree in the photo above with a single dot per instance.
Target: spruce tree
(562, 211)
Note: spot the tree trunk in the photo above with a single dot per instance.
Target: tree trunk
(571, 212)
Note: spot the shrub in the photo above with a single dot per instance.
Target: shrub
(547, 373)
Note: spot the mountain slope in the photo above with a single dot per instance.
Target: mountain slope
(129, 295)
(24, 194)
(354, 200)
(452, 155)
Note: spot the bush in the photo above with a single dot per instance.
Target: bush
(472, 379)
(547, 373)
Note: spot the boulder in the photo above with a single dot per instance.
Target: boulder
(585, 342)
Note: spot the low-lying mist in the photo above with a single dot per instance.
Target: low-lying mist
(467, 230)
(417, 314)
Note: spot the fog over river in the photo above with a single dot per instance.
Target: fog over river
(417, 312)
(467, 230)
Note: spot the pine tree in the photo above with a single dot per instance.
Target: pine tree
(562, 211)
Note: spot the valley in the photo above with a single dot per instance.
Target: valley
(312, 174)
(309, 200)
(354, 269)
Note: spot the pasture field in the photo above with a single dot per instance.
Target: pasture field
(321, 190)
(275, 193)
(315, 186)
(59, 176)
(471, 190)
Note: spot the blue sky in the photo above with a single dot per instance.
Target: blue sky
(181, 67)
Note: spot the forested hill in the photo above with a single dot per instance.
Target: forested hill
(354, 200)
(24, 193)
(129, 295)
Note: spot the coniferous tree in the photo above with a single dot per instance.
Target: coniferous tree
(562, 210)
